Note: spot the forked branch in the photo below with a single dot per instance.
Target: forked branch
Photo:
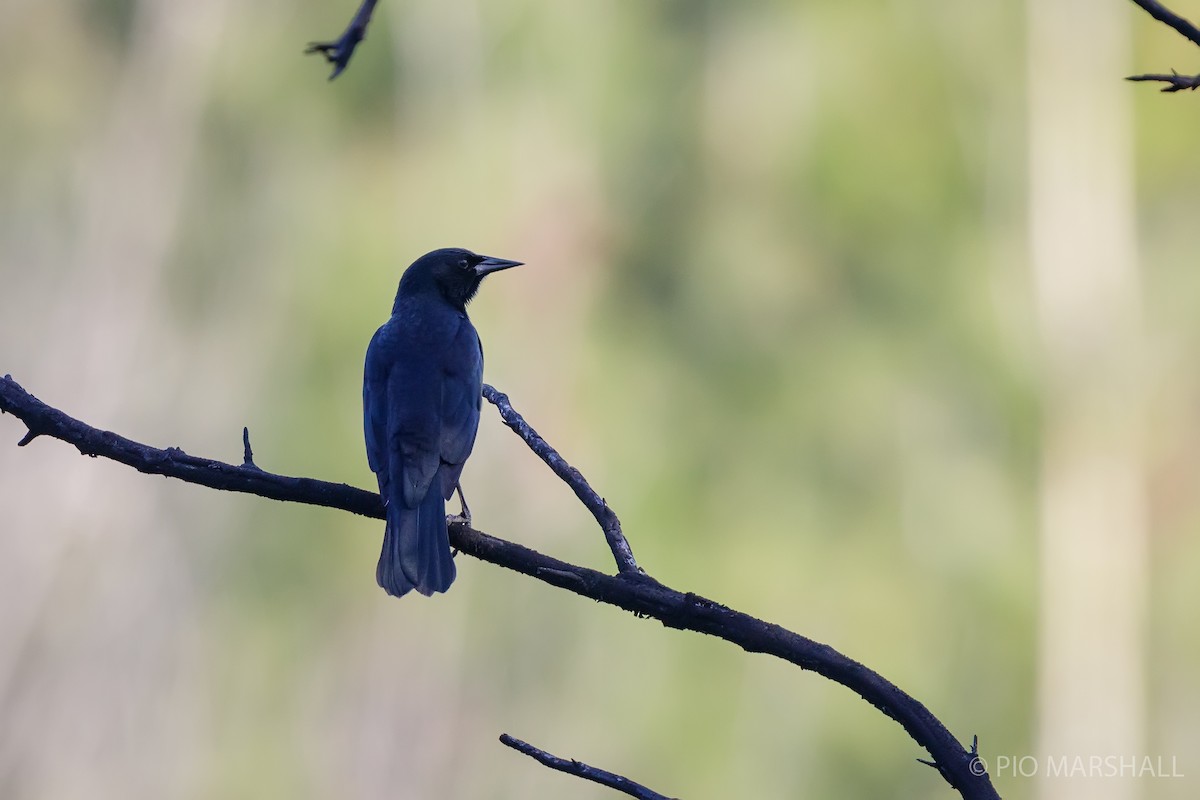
(594, 503)
(630, 589)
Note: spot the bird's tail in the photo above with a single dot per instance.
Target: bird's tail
(416, 549)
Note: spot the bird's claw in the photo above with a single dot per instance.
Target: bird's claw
(465, 513)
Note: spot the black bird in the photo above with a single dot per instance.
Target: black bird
(421, 401)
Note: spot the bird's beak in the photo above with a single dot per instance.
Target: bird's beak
(490, 264)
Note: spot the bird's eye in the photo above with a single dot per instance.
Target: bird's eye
(463, 263)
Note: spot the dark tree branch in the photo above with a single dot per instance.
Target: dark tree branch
(604, 515)
(1168, 17)
(1175, 81)
(42, 420)
(338, 51)
(579, 769)
(632, 591)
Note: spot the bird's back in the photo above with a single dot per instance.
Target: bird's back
(421, 402)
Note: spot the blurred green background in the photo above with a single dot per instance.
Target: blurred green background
(782, 307)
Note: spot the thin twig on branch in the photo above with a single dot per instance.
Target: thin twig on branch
(247, 453)
(579, 769)
(338, 51)
(1175, 81)
(632, 591)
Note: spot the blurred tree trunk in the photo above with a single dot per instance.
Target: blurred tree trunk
(1093, 518)
(126, 210)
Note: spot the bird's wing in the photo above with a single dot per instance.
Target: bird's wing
(413, 425)
(375, 405)
(461, 386)
(402, 417)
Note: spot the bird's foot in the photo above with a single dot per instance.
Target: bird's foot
(465, 515)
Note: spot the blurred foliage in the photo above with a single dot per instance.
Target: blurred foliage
(777, 308)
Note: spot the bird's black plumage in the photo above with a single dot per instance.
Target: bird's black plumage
(421, 401)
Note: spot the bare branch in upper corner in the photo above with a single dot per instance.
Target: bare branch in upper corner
(1168, 17)
(604, 515)
(631, 590)
(579, 769)
(338, 51)
(1175, 82)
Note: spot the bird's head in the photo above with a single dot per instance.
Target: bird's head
(453, 272)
